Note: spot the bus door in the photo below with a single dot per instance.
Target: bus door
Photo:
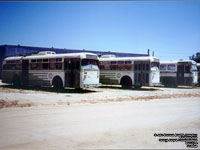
(180, 74)
(141, 73)
(72, 72)
(25, 76)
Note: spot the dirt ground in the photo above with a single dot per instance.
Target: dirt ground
(99, 118)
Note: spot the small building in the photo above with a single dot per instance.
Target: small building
(16, 50)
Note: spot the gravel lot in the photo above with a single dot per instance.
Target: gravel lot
(99, 118)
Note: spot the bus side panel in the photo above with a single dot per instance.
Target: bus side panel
(39, 79)
(168, 79)
(44, 78)
(188, 81)
(114, 77)
(109, 77)
(8, 75)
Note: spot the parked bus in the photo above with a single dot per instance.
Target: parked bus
(175, 73)
(129, 71)
(76, 70)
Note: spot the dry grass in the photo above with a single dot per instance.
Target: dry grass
(142, 98)
(5, 104)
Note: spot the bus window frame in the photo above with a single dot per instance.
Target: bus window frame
(165, 68)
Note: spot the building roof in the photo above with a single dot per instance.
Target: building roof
(14, 50)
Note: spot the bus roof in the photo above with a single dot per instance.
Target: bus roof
(152, 59)
(71, 55)
(14, 58)
(168, 62)
(177, 61)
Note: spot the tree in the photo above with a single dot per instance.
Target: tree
(196, 58)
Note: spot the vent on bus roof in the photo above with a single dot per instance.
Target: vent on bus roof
(107, 56)
(45, 53)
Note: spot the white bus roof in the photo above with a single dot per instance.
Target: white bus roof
(14, 58)
(70, 55)
(152, 59)
(168, 62)
(176, 61)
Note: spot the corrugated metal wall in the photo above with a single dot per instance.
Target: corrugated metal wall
(2, 56)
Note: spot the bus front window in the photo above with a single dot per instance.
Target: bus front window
(154, 66)
(193, 68)
(89, 64)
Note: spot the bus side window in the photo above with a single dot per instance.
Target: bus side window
(121, 65)
(52, 66)
(171, 67)
(18, 66)
(5, 67)
(45, 66)
(101, 66)
(163, 67)
(113, 65)
(34, 66)
(10, 67)
(59, 66)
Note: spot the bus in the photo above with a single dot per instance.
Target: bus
(129, 71)
(178, 73)
(76, 70)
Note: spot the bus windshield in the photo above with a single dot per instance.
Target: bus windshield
(89, 64)
(154, 66)
(193, 68)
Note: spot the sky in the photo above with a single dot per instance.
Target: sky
(169, 28)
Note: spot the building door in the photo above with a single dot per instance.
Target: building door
(141, 73)
(72, 73)
(25, 68)
(180, 74)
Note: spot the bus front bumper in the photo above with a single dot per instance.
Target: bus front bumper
(157, 84)
(90, 85)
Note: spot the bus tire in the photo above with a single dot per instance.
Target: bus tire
(16, 81)
(126, 82)
(57, 82)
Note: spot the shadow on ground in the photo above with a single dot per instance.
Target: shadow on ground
(135, 89)
(181, 87)
(50, 89)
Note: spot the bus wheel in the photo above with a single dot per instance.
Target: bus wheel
(16, 81)
(126, 82)
(57, 83)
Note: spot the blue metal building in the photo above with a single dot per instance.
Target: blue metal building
(16, 50)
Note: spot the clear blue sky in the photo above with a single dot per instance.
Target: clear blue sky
(170, 28)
